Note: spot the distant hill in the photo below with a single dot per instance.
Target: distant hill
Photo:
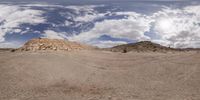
(5, 49)
(144, 46)
(44, 44)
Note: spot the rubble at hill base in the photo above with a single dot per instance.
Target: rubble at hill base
(42, 44)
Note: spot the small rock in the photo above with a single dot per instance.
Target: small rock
(41, 44)
(110, 97)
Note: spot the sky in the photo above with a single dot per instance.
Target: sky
(102, 23)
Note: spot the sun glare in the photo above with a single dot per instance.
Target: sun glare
(165, 24)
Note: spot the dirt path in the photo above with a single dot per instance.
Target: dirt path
(99, 75)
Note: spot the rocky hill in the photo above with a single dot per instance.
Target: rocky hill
(44, 44)
(144, 46)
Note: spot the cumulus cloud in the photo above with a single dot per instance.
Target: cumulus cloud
(11, 16)
(89, 17)
(53, 35)
(108, 43)
(12, 44)
(90, 14)
(179, 27)
(173, 27)
(132, 27)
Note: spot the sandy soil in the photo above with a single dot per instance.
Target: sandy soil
(99, 75)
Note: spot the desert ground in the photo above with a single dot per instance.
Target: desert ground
(99, 75)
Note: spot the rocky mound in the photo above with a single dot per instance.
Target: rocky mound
(42, 44)
(144, 46)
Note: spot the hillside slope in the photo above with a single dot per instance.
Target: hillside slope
(143, 46)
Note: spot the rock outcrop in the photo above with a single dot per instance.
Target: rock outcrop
(44, 44)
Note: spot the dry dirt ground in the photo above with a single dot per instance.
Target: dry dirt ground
(99, 75)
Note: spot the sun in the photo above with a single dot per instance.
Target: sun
(165, 24)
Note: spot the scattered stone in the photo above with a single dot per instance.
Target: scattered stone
(109, 97)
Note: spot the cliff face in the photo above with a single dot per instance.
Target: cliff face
(42, 44)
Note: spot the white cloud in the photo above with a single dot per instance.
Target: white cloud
(87, 8)
(42, 5)
(133, 14)
(90, 13)
(174, 27)
(192, 9)
(89, 17)
(107, 44)
(52, 35)
(132, 28)
(179, 27)
(12, 16)
(67, 23)
(13, 44)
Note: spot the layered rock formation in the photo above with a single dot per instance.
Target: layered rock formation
(42, 44)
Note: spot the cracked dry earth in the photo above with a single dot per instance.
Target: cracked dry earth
(99, 75)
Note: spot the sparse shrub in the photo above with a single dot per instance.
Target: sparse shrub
(13, 50)
(124, 51)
